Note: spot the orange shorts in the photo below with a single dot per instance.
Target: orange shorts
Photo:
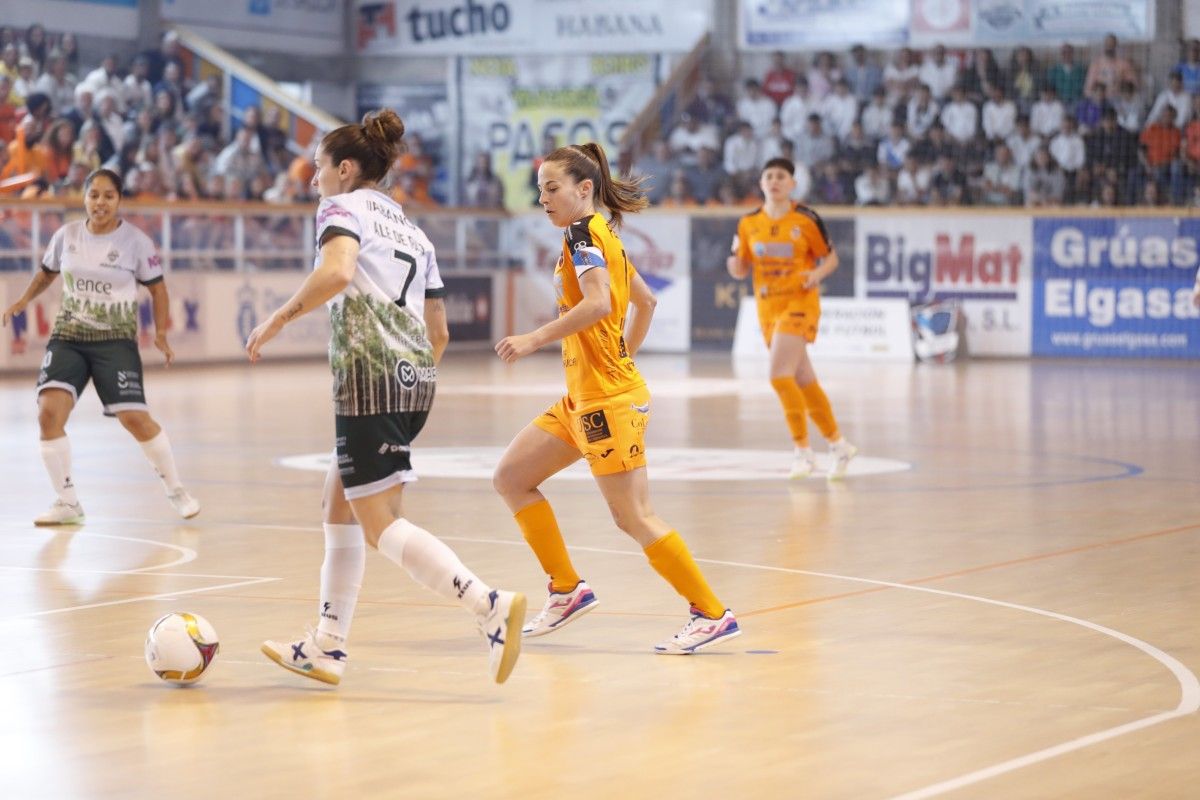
(610, 432)
(798, 318)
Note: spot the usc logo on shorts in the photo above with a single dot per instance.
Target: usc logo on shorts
(594, 426)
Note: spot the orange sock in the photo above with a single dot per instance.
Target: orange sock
(822, 412)
(540, 529)
(794, 408)
(670, 558)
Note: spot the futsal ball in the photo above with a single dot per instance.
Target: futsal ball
(180, 646)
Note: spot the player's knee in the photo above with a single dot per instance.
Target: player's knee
(505, 480)
(50, 420)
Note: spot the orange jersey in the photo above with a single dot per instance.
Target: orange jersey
(782, 251)
(596, 360)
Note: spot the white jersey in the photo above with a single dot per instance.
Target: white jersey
(100, 279)
(380, 355)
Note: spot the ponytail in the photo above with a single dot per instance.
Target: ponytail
(618, 195)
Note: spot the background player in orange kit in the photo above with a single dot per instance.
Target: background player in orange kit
(788, 250)
(604, 414)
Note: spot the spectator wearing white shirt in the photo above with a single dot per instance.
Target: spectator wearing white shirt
(741, 152)
(1068, 149)
(56, 83)
(999, 116)
(793, 115)
(1001, 179)
(1046, 116)
(25, 80)
(839, 110)
(756, 108)
(1176, 96)
(894, 149)
(878, 116)
(872, 187)
(900, 77)
(1129, 107)
(814, 146)
(912, 183)
(689, 137)
(110, 118)
(137, 91)
(939, 73)
(105, 77)
(1023, 142)
(960, 117)
(823, 76)
(773, 145)
(922, 112)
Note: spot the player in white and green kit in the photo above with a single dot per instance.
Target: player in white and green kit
(103, 260)
(378, 273)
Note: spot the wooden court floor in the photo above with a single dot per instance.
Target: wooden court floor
(1002, 602)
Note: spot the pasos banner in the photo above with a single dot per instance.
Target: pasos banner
(512, 106)
(1116, 287)
(982, 262)
(503, 27)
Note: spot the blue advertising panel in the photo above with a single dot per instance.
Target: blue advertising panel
(1109, 287)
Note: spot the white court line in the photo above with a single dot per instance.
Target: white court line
(139, 599)
(1189, 685)
(132, 572)
(186, 554)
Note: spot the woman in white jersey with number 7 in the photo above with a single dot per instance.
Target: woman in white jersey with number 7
(377, 271)
(103, 259)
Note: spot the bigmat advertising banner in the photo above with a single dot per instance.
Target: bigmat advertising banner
(982, 262)
(1116, 287)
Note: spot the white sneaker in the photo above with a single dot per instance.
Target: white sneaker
(841, 453)
(499, 626)
(306, 658)
(700, 632)
(61, 513)
(560, 609)
(803, 464)
(184, 503)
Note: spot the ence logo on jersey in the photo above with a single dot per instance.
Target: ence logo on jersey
(594, 426)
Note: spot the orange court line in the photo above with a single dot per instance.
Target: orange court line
(981, 568)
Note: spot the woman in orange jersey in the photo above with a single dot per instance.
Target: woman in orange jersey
(788, 250)
(604, 314)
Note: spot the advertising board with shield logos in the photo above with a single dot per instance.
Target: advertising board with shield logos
(982, 263)
(1113, 287)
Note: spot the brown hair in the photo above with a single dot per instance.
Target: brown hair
(374, 144)
(587, 162)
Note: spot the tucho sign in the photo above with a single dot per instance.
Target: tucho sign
(500, 27)
(1116, 287)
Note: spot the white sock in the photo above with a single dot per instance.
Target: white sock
(341, 580)
(434, 565)
(158, 453)
(56, 455)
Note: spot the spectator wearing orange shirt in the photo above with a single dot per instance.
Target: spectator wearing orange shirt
(1160, 145)
(56, 151)
(1185, 172)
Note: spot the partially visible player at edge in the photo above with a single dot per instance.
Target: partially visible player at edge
(604, 414)
(103, 259)
(788, 250)
(377, 271)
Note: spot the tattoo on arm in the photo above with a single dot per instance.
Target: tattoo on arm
(292, 312)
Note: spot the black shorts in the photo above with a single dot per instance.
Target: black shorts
(372, 452)
(115, 366)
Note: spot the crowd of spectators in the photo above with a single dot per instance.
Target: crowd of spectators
(943, 128)
(165, 134)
